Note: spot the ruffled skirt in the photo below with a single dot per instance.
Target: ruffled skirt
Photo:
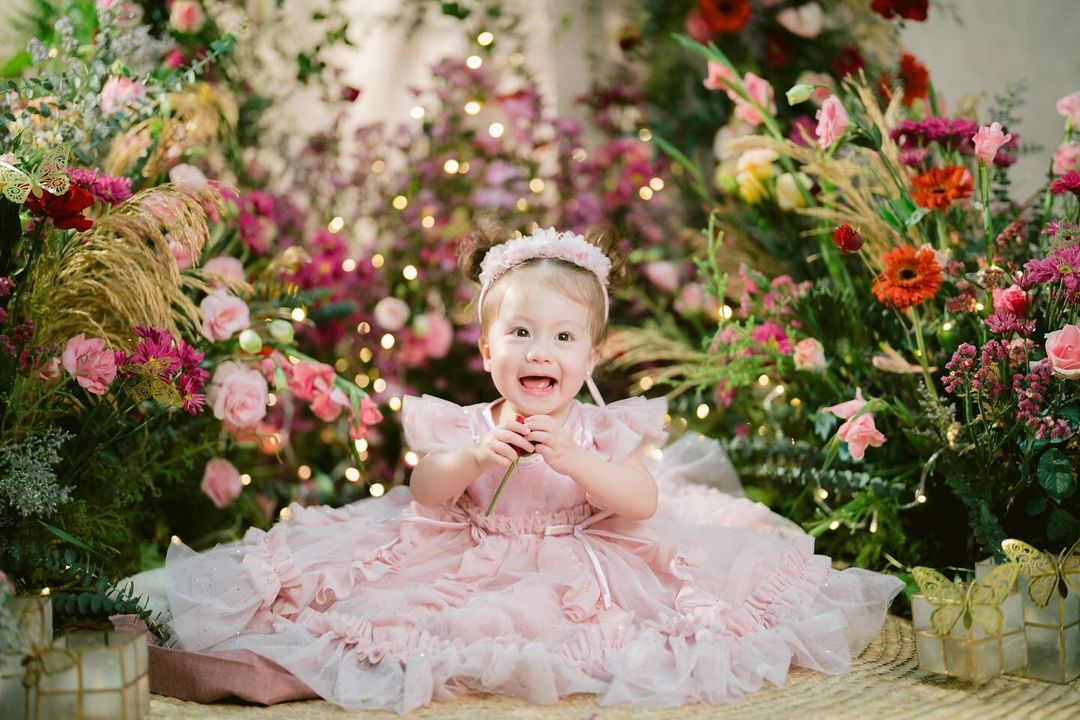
(386, 604)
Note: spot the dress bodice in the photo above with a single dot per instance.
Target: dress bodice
(612, 432)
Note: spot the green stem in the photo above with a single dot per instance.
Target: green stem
(984, 190)
(921, 345)
(502, 484)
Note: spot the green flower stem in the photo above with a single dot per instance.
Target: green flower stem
(502, 484)
(984, 191)
(921, 345)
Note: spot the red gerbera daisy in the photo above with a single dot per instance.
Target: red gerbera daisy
(938, 188)
(905, 9)
(914, 80)
(725, 16)
(910, 278)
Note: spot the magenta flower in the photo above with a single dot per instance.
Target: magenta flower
(104, 188)
(1069, 182)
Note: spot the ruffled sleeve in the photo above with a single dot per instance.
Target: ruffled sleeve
(432, 424)
(626, 425)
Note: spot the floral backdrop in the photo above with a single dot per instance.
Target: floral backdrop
(830, 274)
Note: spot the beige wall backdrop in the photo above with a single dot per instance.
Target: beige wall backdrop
(986, 44)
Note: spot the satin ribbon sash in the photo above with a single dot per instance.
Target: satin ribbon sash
(582, 532)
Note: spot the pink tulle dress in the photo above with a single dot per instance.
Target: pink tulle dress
(389, 604)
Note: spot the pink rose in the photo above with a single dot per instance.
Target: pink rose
(308, 378)
(391, 313)
(663, 274)
(988, 141)
(1065, 158)
(1063, 349)
(223, 266)
(187, 16)
(120, 93)
(181, 253)
(437, 335)
(832, 121)
(238, 393)
(1011, 299)
(719, 76)
(91, 364)
(760, 91)
(859, 434)
(188, 177)
(805, 21)
(1069, 106)
(845, 410)
(221, 482)
(809, 355)
(223, 315)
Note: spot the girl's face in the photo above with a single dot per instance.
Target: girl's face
(538, 349)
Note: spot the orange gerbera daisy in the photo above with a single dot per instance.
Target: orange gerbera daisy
(911, 277)
(936, 189)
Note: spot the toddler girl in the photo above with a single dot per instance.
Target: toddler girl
(580, 580)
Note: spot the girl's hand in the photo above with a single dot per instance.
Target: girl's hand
(498, 448)
(553, 443)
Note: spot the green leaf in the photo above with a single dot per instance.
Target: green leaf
(455, 10)
(95, 604)
(68, 537)
(84, 604)
(1056, 474)
(1062, 526)
(916, 216)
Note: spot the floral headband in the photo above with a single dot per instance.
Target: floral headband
(547, 243)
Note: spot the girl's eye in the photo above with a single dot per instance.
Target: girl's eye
(564, 337)
(520, 332)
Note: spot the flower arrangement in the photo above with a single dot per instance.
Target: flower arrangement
(920, 368)
(144, 341)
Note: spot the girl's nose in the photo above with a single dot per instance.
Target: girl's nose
(536, 354)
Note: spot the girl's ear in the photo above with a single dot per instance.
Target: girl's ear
(485, 353)
(594, 358)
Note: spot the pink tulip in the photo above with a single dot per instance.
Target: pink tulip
(832, 120)
(1069, 106)
(988, 140)
(1065, 158)
(859, 434)
(720, 76)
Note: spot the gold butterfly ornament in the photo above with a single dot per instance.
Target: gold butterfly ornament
(979, 603)
(49, 175)
(1044, 573)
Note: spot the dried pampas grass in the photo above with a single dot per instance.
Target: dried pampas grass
(121, 273)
